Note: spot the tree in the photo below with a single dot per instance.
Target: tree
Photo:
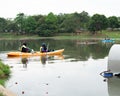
(51, 18)
(60, 19)
(3, 24)
(20, 21)
(11, 26)
(113, 22)
(84, 19)
(69, 23)
(30, 25)
(97, 23)
(75, 21)
(49, 26)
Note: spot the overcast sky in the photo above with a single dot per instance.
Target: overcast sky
(10, 8)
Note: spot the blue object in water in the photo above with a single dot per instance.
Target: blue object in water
(108, 41)
(107, 75)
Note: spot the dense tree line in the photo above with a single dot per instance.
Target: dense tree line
(51, 24)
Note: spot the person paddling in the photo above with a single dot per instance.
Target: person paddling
(43, 48)
(24, 48)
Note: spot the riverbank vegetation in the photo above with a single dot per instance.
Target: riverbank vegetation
(53, 25)
(72, 36)
(4, 72)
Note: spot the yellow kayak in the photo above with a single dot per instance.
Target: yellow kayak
(17, 54)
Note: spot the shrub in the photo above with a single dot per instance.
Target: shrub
(4, 70)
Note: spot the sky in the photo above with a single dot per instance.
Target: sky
(10, 8)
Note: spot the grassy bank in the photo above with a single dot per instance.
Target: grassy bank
(88, 35)
(4, 72)
(83, 35)
(112, 34)
(12, 36)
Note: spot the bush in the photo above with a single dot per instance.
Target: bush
(1, 74)
(4, 70)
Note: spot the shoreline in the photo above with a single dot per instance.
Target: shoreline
(6, 92)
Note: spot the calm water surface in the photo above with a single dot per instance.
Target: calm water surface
(75, 73)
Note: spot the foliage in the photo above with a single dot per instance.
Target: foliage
(30, 25)
(51, 18)
(19, 20)
(113, 22)
(98, 23)
(84, 19)
(11, 26)
(48, 26)
(4, 70)
(68, 24)
(4, 73)
(51, 24)
(3, 24)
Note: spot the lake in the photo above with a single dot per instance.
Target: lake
(75, 73)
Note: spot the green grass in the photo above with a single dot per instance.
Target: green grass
(83, 35)
(1, 94)
(4, 72)
(2, 81)
(114, 34)
(88, 35)
(14, 36)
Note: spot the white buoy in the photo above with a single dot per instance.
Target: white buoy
(114, 66)
(114, 58)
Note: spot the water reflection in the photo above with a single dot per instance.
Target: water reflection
(50, 58)
(86, 42)
(56, 79)
(43, 59)
(113, 82)
(79, 49)
(29, 59)
(83, 62)
(114, 86)
(24, 62)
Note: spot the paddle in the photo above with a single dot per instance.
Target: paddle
(47, 47)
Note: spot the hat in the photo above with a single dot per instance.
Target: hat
(43, 44)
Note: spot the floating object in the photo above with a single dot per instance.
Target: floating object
(47, 84)
(23, 92)
(86, 43)
(17, 54)
(114, 58)
(58, 76)
(16, 83)
(108, 41)
(107, 75)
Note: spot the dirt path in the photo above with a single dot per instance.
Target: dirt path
(6, 92)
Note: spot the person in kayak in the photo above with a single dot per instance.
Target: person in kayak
(43, 48)
(24, 48)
